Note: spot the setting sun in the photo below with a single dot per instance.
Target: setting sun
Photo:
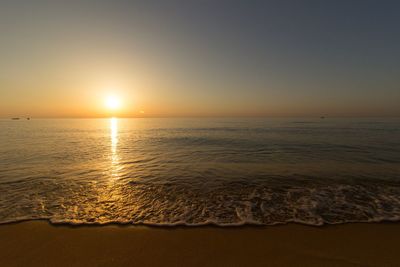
(113, 102)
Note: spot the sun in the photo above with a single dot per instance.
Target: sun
(113, 102)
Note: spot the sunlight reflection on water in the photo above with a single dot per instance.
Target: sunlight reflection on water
(115, 166)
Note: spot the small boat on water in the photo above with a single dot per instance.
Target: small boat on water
(15, 119)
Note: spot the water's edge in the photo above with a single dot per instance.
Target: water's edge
(200, 225)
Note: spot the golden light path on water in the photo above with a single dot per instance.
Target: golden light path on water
(109, 195)
(115, 166)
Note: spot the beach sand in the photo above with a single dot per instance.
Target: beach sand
(38, 243)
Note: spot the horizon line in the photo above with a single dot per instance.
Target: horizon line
(200, 116)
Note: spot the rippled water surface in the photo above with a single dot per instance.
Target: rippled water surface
(200, 171)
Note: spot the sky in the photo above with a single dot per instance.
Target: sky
(199, 58)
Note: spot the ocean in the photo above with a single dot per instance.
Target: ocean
(198, 171)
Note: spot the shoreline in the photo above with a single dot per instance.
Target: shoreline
(201, 225)
(38, 243)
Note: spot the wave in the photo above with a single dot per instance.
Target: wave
(393, 219)
(235, 203)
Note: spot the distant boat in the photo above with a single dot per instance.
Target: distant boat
(28, 118)
(322, 117)
(15, 119)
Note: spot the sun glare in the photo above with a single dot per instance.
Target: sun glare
(113, 102)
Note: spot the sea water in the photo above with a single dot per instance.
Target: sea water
(225, 171)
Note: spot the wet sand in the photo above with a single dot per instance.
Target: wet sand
(39, 243)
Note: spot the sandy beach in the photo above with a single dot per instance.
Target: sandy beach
(38, 243)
